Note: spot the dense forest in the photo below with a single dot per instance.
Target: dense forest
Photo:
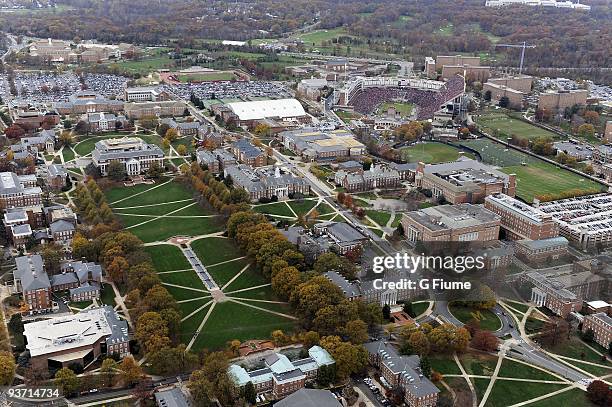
(412, 28)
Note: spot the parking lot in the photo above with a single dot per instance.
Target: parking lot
(228, 90)
(46, 87)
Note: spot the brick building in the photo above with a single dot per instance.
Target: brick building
(601, 325)
(521, 221)
(248, 153)
(17, 191)
(541, 251)
(403, 372)
(80, 338)
(281, 377)
(451, 223)
(464, 180)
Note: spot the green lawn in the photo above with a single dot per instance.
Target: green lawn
(68, 154)
(172, 191)
(574, 397)
(212, 250)
(107, 295)
(506, 126)
(249, 278)
(419, 307)
(261, 293)
(404, 109)
(481, 386)
(230, 321)
(325, 209)
(534, 177)
(541, 179)
(518, 306)
(574, 348)
(318, 36)
(479, 365)
(164, 228)
(157, 210)
(510, 368)
(223, 273)
(278, 208)
(506, 393)
(120, 192)
(379, 217)
(167, 257)
(203, 77)
(431, 153)
(488, 319)
(301, 208)
(183, 278)
(444, 364)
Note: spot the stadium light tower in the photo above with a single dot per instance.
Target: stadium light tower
(523, 46)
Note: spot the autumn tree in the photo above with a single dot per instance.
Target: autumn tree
(152, 332)
(485, 341)
(350, 359)
(599, 393)
(116, 171)
(67, 380)
(130, 370)
(7, 368)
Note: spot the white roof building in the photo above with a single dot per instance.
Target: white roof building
(264, 109)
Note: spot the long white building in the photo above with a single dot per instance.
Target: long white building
(539, 3)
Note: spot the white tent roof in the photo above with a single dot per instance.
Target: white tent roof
(261, 109)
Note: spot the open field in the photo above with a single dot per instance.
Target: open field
(317, 37)
(431, 153)
(488, 319)
(203, 77)
(404, 109)
(534, 177)
(152, 213)
(501, 125)
(507, 393)
(541, 179)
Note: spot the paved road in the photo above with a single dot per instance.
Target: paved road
(520, 348)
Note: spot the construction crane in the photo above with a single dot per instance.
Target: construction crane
(523, 46)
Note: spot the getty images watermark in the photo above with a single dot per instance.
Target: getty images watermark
(403, 262)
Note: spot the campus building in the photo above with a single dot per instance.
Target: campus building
(88, 101)
(281, 377)
(105, 122)
(515, 88)
(552, 294)
(403, 372)
(377, 177)
(451, 223)
(80, 338)
(558, 101)
(266, 182)
(133, 152)
(249, 113)
(249, 154)
(31, 279)
(539, 252)
(601, 325)
(521, 221)
(155, 109)
(17, 191)
(144, 94)
(56, 176)
(314, 144)
(43, 142)
(464, 180)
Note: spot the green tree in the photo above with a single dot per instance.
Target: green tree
(249, 393)
(116, 171)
